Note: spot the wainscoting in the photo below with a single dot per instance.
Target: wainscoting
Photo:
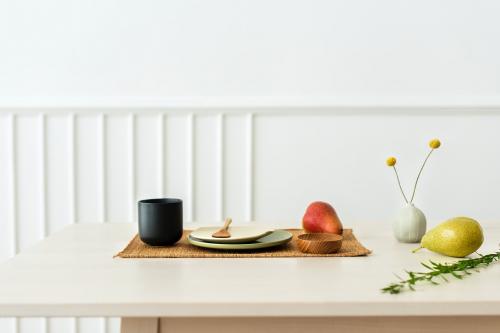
(61, 166)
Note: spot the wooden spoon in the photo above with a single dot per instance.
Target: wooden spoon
(223, 233)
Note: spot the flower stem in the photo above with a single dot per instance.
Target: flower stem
(418, 176)
(418, 248)
(399, 183)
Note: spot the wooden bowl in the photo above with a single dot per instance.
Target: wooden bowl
(319, 243)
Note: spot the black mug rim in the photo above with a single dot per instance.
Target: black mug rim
(161, 201)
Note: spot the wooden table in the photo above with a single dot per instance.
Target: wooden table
(72, 273)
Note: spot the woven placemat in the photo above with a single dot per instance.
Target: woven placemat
(351, 247)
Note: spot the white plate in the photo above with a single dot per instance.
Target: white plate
(275, 238)
(239, 234)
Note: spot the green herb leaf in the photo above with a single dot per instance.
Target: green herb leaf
(459, 270)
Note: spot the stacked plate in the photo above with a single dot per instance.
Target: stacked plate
(242, 238)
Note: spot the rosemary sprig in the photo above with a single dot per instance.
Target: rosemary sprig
(459, 270)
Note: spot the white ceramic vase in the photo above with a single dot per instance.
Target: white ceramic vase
(410, 224)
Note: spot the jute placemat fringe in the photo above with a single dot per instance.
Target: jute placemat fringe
(351, 247)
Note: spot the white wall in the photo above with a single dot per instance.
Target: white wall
(125, 51)
(250, 109)
(92, 165)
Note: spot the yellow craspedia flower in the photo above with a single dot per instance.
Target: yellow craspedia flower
(391, 161)
(434, 143)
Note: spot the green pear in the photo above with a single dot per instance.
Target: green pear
(456, 237)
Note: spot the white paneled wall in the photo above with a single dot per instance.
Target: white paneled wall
(60, 166)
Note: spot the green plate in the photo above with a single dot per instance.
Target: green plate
(277, 237)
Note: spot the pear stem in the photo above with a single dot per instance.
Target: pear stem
(419, 173)
(399, 183)
(418, 248)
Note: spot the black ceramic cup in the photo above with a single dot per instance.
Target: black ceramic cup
(160, 221)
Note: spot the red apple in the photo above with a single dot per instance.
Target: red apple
(321, 217)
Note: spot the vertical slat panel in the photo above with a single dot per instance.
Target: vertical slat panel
(235, 166)
(62, 325)
(176, 159)
(88, 205)
(8, 187)
(43, 176)
(132, 166)
(58, 172)
(118, 169)
(27, 180)
(250, 167)
(14, 185)
(220, 167)
(147, 159)
(28, 177)
(32, 325)
(206, 168)
(72, 167)
(101, 160)
(190, 176)
(161, 155)
(8, 325)
(113, 325)
(8, 225)
(90, 325)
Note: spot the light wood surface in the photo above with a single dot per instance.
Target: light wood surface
(72, 273)
(140, 325)
(328, 325)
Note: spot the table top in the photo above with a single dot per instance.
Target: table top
(73, 273)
